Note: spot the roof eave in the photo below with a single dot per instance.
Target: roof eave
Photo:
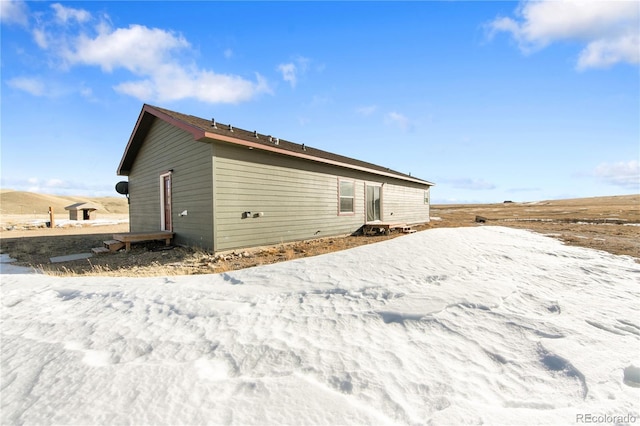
(148, 112)
(274, 149)
(140, 132)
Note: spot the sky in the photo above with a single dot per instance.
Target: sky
(491, 101)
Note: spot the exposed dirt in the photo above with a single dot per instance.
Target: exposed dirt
(153, 258)
(604, 223)
(562, 219)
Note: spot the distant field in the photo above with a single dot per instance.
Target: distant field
(624, 207)
(603, 223)
(575, 222)
(621, 207)
(29, 203)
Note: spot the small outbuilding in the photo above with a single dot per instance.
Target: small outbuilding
(82, 211)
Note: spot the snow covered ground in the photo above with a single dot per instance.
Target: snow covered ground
(30, 221)
(477, 325)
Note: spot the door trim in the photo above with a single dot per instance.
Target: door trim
(166, 205)
(367, 201)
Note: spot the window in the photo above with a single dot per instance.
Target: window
(426, 196)
(346, 194)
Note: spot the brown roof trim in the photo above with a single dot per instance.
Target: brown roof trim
(201, 130)
(140, 131)
(82, 206)
(311, 157)
(196, 132)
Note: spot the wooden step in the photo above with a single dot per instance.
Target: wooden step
(113, 245)
(100, 250)
(134, 237)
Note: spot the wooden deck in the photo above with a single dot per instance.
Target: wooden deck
(373, 228)
(135, 237)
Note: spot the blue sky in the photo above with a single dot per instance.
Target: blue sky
(492, 101)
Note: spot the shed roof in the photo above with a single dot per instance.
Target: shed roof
(82, 206)
(204, 130)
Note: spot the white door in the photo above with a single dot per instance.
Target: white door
(373, 203)
(165, 201)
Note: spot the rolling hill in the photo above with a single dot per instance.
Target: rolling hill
(22, 202)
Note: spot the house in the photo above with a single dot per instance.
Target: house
(82, 211)
(221, 188)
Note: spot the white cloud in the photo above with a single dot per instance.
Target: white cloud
(524, 189)
(398, 119)
(157, 59)
(609, 29)
(604, 53)
(175, 83)
(66, 14)
(367, 110)
(148, 52)
(622, 174)
(14, 12)
(467, 183)
(38, 86)
(34, 184)
(319, 101)
(33, 86)
(54, 183)
(41, 38)
(86, 92)
(59, 186)
(291, 71)
(303, 121)
(137, 48)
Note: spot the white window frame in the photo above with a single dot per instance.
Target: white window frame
(340, 197)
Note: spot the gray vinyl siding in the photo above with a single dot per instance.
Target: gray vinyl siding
(404, 204)
(298, 200)
(167, 147)
(295, 199)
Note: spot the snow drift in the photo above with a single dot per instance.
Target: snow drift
(449, 326)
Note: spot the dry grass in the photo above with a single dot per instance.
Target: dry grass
(29, 203)
(153, 259)
(34, 248)
(625, 207)
(573, 221)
